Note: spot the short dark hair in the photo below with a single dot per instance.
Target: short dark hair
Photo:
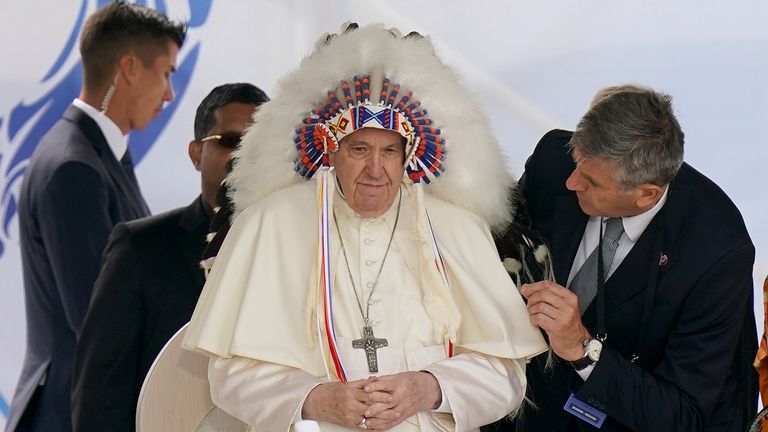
(225, 94)
(119, 28)
(635, 128)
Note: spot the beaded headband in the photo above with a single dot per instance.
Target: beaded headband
(396, 111)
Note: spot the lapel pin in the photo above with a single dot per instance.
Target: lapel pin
(663, 259)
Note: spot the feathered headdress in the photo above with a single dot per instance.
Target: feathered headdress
(374, 77)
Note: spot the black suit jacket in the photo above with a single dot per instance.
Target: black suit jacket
(146, 291)
(694, 368)
(74, 192)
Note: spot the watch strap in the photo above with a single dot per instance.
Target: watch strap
(582, 363)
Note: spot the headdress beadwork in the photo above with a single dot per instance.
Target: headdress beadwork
(402, 113)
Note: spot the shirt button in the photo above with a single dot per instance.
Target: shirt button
(370, 262)
(368, 240)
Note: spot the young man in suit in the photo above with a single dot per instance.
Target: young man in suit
(79, 185)
(664, 340)
(151, 278)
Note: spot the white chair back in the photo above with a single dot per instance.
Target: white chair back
(176, 396)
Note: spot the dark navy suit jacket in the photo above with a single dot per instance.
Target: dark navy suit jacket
(694, 368)
(146, 291)
(74, 192)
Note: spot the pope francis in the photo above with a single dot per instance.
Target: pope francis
(372, 297)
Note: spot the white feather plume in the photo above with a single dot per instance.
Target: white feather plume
(475, 176)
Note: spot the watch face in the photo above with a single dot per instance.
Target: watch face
(593, 349)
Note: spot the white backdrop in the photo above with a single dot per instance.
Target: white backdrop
(536, 65)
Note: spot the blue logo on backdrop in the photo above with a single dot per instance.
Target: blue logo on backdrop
(26, 123)
(3, 406)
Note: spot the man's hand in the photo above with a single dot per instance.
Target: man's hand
(339, 403)
(555, 309)
(396, 397)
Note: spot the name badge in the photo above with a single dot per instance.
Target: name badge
(584, 411)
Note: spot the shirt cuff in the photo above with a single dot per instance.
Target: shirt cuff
(297, 415)
(445, 404)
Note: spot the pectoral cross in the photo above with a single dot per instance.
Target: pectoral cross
(370, 344)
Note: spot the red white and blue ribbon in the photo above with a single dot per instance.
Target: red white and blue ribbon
(332, 358)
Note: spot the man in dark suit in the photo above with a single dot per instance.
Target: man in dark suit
(661, 339)
(79, 184)
(151, 278)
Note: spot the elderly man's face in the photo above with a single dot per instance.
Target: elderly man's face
(369, 165)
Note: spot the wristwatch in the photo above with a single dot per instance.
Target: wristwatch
(592, 349)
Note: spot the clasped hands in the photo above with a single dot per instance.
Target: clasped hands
(555, 309)
(384, 401)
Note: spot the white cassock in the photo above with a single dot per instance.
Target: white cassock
(256, 316)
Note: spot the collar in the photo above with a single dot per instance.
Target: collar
(116, 141)
(635, 225)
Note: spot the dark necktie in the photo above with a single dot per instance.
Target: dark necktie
(584, 284)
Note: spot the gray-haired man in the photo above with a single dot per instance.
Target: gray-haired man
(654, 330)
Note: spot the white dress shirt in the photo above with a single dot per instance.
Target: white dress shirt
(633, 229)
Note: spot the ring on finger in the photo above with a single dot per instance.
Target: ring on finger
(362, 424)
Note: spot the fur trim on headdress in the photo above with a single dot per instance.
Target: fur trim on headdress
(475, 175)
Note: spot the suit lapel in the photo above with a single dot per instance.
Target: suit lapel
(631, 276)
(672, 220)
(133, 198)
(193, 226)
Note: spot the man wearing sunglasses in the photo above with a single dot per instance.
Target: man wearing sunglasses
(151, 277)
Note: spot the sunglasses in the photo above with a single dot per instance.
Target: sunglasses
(227, 139)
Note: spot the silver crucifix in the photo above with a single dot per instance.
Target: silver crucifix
(370, 344)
